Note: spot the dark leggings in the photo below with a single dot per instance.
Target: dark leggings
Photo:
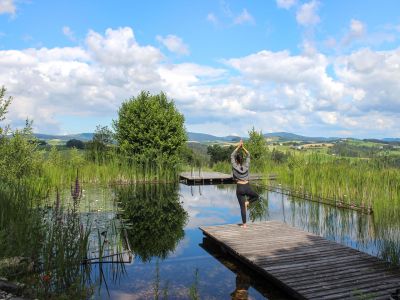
(243, 190)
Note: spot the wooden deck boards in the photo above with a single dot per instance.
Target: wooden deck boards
(307, 266)
(200, 177)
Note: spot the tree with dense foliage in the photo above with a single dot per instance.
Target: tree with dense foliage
(18, 155)
(74, 143)
(103, 136)
(257, 146)
(98, 147)
(149, 127)
(4, 103)
(220, 153)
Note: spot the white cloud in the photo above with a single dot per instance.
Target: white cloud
(69, 33)
(274, 91)
(212, 19)
(286, 4)
(307, 14)
(357, 30)
(374, 76)
(328, 117)
(7, 7)
(78, 81)
(174, 44)
(244, 17)
(229, 18)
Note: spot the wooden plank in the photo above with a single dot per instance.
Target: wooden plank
(335, 286)
(217, 177)
(331, 274)
(306, 265)
(352, 288)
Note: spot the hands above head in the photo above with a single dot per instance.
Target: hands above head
(242, 146)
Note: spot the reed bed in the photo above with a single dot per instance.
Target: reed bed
(113, 168)
(46, 241)
(354, 182)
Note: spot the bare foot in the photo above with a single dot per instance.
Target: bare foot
(243, 225)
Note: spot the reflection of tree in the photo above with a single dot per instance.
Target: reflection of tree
(258, 210)
(155, 216)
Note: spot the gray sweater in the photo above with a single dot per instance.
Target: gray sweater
(240, 172)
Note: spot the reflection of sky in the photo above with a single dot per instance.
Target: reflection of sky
(208, 206)
(211, 205)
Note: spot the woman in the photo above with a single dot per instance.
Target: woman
(240, 172)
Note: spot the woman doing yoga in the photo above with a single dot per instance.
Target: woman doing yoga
(240, 172)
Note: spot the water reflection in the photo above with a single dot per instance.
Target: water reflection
(245, 278)
(163, 230)
(155, 218)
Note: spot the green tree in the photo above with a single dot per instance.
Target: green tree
(257, 146)
(4, 103)
(219, 153)
(103, 136)
(98, 147)
(150, 126)
(18, 152)
(74, 143)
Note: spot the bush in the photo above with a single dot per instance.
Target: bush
(74, 143)
(100, 144)
(220, 153)
(18, 154)
(150, 127)
(257, 146)
(278, 156)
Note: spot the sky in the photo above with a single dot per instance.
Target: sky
(317, 68)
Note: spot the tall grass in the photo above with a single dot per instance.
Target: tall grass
(359, 182)
(49, 238)
(60, 169)
(21, 226)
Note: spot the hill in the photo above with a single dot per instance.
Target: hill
(87, 136)
(287, 136)
(209, 138)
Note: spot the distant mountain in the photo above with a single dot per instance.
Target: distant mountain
(87, 136)
(287, 136)
(391, 140)
(209, 138)
(203, 138)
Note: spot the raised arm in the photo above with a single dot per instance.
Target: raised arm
(233, 155)
(247, 163)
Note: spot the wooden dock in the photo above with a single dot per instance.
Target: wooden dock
(200, 177)
(305, 265)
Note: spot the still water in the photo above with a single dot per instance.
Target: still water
(172, 261)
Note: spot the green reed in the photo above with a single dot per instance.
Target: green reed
(359, 182)
(21, 227)
(110, 168)
(47, 237)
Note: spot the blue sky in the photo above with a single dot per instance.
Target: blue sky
(322, 68)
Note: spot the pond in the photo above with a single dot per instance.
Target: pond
(171, 259)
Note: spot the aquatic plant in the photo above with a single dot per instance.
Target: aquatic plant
(76, 190)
